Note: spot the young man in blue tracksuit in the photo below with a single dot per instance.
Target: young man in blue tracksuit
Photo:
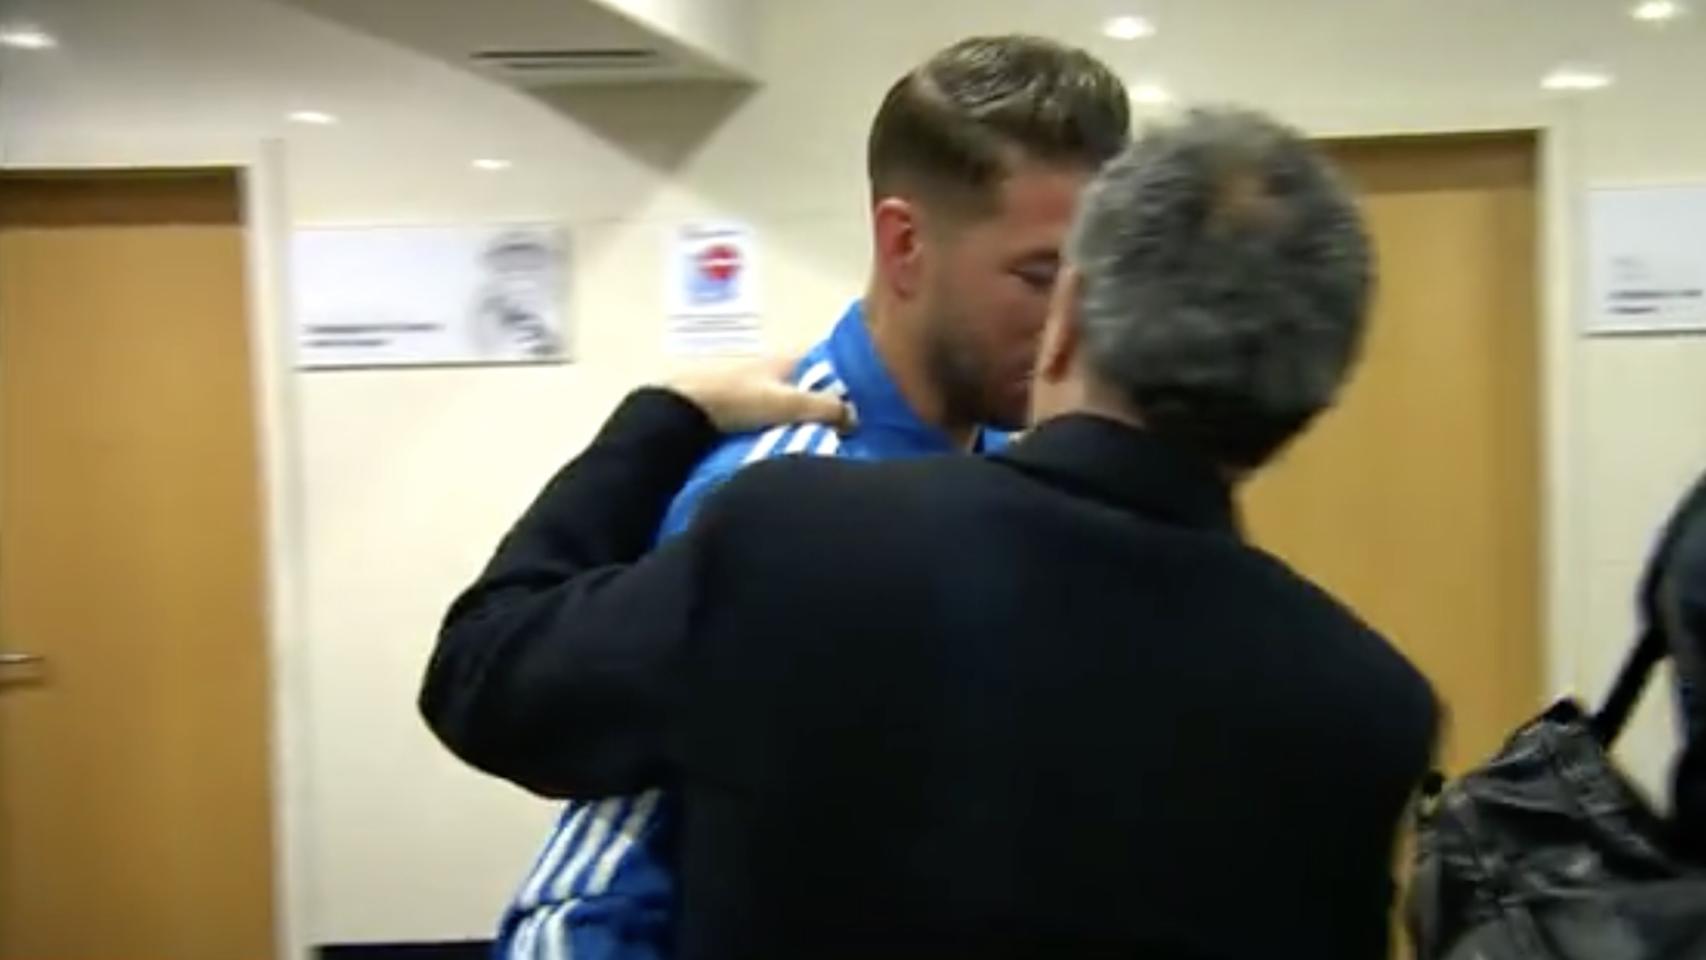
(976, 159)
(602, 887)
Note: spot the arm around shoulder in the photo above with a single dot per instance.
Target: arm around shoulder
(548, 671)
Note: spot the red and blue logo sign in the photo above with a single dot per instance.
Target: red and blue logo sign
(715, 275)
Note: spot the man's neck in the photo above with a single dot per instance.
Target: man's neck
(1100, 402)
(903, 355)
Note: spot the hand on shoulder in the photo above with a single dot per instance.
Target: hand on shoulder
(742, 397)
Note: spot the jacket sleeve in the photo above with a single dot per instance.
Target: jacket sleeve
(553, 669)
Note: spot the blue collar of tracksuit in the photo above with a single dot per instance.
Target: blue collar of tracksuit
(886, 421)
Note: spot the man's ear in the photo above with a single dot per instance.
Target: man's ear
(899, 245)
(1059, 349)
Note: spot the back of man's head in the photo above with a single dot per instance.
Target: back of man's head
(950, 130)
(1225, 278)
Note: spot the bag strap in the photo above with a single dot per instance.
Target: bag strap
(1654, 643)
(1614, 713)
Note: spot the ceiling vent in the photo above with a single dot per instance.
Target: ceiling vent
(539, 66)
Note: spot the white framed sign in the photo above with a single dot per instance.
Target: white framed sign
(429, 295)
(712, 294)
(1646, 259)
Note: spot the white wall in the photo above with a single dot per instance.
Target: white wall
(407, 477)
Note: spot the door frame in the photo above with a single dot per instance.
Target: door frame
(1560, 260)
(266, 230)
(262, 168)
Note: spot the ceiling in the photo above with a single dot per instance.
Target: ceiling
(401, 65)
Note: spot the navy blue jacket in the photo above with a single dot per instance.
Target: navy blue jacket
(1042, 704)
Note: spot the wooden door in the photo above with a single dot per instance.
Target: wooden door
(1418, 499)
(134, 788)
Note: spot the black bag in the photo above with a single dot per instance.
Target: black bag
(1548, 852)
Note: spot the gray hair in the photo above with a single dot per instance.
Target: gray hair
(1226, 280)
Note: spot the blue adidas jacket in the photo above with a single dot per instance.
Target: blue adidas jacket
(602, 888)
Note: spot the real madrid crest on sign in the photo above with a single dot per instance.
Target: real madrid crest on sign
(717, 274)
(415, 295)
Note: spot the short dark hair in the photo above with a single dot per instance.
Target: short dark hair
(953, 128)
(1226, 282)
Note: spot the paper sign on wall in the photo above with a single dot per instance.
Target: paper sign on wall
(402, 296)
(1647, 250)
(712, 273)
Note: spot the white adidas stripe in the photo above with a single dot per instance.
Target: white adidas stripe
(802, 439)
(553, 925)
(815, 375)
(632, 827)
(552, 860)
(526, 940)
(765, 444)
(558, 946)
(603, 818)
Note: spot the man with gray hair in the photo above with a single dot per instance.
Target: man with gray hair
(1216, 292)
(1046, 703)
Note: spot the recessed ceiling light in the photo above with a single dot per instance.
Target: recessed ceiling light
(491, 164)
(1657, 11)
(27, 38)
(1151, 94)
(1577, 78)
(1128, 28)
(315, 118)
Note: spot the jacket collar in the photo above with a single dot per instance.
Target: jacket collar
(1127, 467)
